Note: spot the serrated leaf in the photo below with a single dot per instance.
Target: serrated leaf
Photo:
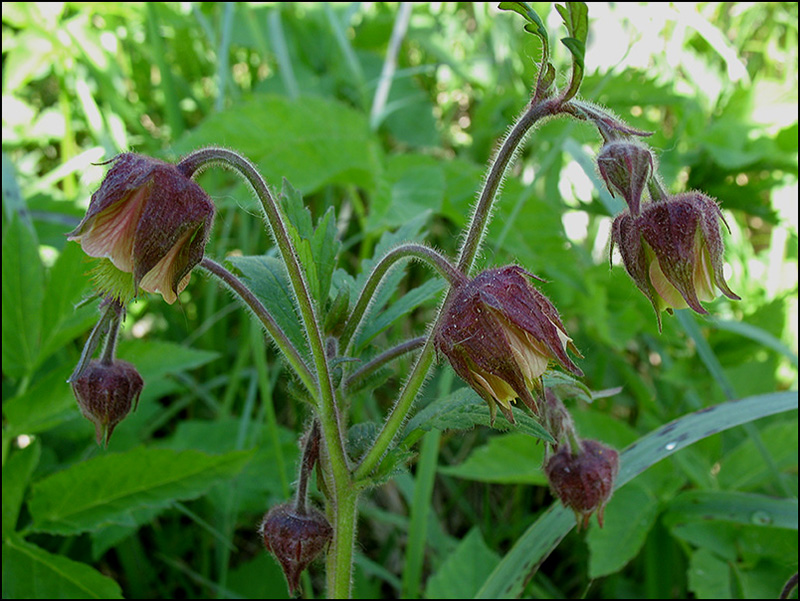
(157, 358)
(23, 290)
(267, 279)
(312, 141)
(464, 409)
(627, 521)
(17, 472)
(508, 459)
(534, 25)
(66, 284)
(105, 490)
(30, 572)
(464, 570)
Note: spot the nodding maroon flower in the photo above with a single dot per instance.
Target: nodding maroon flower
(673, 251)
(105, 393)
(499, 334)
(584, 481)
(295, 538)
(149, 223)
(626, 168)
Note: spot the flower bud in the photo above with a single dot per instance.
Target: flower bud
(149, 223)
(295, 538)
(673, 251)
(499, 334)
(626, 167)
(105, 393)
(584, 481)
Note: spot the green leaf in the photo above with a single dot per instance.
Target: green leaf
(464, 570)
(731, 506)
(66, 285)
(629, 517)
(534, 25)
(317, 248)
(709, 576)
(744, 468)
(464, 409)
(17, 472)
(105, 490)
(543, 536)
(155, 359)
(508, 459)
(310, 141)
(30, 572)
(23, 290)
(267, 279)
(44, 405)
(575, 16)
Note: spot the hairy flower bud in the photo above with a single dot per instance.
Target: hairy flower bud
(295, 538)
(626, 166)
(105, 393)
(584, 481)
(499, 334)
(149, 223)
(673, 251)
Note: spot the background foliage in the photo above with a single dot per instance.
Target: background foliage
(171, 508)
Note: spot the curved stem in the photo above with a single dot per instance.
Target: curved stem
(110, 348)
(382, 359)
(477, 229)
(270, 325)
(325, 400)
(404, 251)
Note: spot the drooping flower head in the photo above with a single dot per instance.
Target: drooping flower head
(148, 223)
(499, 334)
(626, 167)
(295, 537)
(583, 480)
(673, 251)
(105, 392)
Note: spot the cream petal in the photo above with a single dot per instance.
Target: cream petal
(669, 294)
(111, 233)
(159, 279)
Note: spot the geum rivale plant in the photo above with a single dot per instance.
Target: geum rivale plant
(147, 227)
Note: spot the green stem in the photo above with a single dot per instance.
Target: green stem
(472, 242)
(325, 400)
(100, 330)
(382, 359)
(270, 325)
(404, 251)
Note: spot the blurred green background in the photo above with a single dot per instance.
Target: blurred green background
(295, 87)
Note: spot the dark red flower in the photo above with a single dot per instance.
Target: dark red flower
(150, 223)
(499, 334)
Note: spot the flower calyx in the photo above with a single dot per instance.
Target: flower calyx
(673, 251)
(500, 334)
(584, 480)
(626, 167)
(149, 223)
(106, 391)
(295, 537)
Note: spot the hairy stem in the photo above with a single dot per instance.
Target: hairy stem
(270, 325)
(325, 399)
(404, 251)
(469, 249)
(385, 357)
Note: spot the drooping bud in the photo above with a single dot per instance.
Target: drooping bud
(499, 334)
(295, 538)
(584, 481)
(673, 251)
(626, 167)
(105, 393)
(149, 224)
